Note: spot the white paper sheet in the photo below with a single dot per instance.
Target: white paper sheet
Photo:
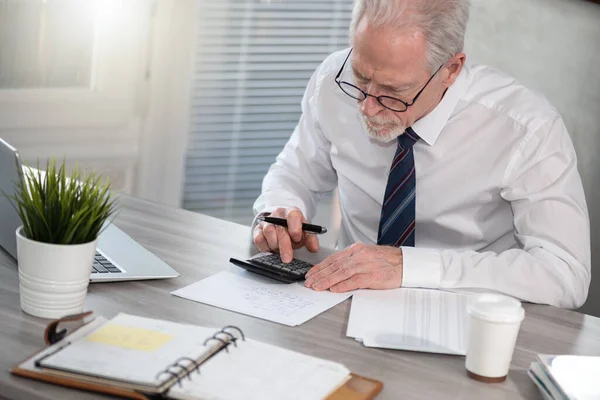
(259, 371)
(289, 304)
(410, 319)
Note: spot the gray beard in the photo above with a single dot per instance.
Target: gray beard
(392, 135)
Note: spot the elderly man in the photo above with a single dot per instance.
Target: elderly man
(449, 176)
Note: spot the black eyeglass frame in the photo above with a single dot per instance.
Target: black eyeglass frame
(365, 94)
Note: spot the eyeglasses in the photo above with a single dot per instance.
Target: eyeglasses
(391, 103)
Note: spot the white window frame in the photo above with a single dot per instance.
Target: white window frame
(100, 126)
(114, 94)
(166, 124)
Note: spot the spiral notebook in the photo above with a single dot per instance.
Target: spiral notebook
(136, 357)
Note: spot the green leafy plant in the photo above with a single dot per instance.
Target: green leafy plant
(58, 209)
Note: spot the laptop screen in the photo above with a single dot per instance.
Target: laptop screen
(10, 167)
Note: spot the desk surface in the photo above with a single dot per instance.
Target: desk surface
(198, 246)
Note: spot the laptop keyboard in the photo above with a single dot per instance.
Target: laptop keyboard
(103, 266)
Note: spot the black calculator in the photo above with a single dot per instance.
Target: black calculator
(271, 266)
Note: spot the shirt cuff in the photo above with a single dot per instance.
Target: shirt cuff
(421, 268)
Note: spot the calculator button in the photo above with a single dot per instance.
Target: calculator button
(294, 270)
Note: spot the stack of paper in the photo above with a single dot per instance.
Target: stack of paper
(566, 377)
(247, 293)
(410, 319)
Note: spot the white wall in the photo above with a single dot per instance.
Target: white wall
(552, 46)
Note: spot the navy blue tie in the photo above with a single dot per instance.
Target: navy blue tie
(397, 223)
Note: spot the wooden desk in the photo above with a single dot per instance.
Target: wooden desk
(198, 246)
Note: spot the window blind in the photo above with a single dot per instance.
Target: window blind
(253, 61)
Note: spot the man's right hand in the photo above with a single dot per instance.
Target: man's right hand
(269, 237)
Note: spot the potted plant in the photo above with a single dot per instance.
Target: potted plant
(62, 218)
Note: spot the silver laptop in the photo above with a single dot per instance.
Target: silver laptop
(118, 256)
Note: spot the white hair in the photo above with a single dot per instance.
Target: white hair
(442, 22)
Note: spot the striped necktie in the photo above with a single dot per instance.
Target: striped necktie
(397, 223)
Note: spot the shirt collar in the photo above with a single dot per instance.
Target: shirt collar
(430, 126)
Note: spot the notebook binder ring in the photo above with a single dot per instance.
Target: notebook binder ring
(232, 339)
(173, 374)
(185, 368)
(231, 335)
(224, 342)
(192, 362)
(235, 328)
(186, 371)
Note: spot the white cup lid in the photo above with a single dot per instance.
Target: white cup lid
(496, 308)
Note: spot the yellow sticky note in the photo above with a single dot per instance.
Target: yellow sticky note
(129, 337)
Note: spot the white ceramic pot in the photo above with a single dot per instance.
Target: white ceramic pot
(53, 278)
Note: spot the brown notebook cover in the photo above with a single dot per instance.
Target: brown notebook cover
(355, 388)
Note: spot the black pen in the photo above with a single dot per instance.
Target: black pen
(283, 222)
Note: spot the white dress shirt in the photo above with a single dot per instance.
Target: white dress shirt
(499, 201)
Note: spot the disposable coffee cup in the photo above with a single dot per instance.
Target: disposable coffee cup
(493, 326)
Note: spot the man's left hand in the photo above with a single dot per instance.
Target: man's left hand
(359, 266)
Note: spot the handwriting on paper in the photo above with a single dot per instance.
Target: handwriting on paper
(276, 301)
(247, 293)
